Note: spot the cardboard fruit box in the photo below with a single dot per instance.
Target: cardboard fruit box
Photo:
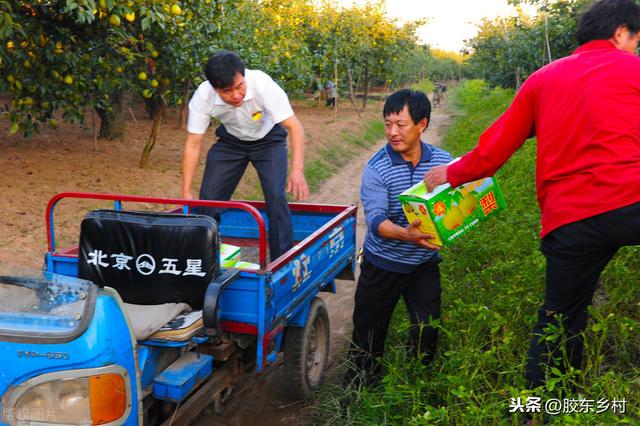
(449, 213)
(229, 255)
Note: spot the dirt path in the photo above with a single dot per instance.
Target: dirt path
(267, 405)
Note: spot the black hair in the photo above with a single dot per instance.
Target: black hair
(601, 20)
(222, 67)
(416, 101)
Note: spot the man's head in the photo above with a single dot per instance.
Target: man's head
(615, 20)
(406, 115)
(225, 72)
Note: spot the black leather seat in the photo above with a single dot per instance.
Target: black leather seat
(150, 258)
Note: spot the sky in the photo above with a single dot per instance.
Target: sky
(449, 22)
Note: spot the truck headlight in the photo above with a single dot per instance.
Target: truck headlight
(76, 397)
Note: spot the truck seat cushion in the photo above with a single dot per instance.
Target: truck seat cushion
(150, 258)
(187, 324)
(147, 319)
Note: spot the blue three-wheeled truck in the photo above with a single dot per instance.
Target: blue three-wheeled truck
(140, 324)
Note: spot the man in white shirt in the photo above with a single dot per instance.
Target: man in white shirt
(255, 116)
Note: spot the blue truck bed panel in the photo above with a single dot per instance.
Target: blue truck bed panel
(264, 301)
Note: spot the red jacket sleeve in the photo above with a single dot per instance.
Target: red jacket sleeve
(499, 141)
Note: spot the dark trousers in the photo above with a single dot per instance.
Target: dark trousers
(376, 297)
(576, 255)
(226, 162)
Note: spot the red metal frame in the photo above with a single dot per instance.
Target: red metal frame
(267, 338)
(304, 207)
(154, 200)
(295, 250)
(244, 328)
(239, 327)
(249, 206)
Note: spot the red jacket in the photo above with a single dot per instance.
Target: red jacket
(585, 112)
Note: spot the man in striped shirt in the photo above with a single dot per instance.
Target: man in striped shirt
(398, 259)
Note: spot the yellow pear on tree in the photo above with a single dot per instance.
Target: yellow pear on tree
(114, 20)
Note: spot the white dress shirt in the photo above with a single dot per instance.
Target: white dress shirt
(265, 104)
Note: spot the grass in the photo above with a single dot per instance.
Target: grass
(330, 159)
(493, 283)
(425, 86)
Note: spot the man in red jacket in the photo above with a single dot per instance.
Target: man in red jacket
(585, 112)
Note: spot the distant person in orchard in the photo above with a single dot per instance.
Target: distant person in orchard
(332, 92)
(584, 111)
(439, 90)
(255, 118)
(398, 259)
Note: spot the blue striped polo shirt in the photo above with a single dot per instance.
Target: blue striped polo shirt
(386, 176)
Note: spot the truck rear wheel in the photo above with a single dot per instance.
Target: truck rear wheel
(306, 353)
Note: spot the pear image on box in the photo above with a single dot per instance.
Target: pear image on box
(448, 213)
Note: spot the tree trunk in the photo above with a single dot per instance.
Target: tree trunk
(335, 76)
(112, 122)
(350, 78)
(546, 35)
(352, 96)
(154, 105)
(366, 86)
(182, 118)
(151, 141)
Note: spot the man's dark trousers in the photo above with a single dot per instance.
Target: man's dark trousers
(376, 296)
(226, 163)
(576, 255)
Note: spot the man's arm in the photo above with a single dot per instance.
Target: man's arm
(495, 146)
(375, 200)
(296, 182)
(436, 176)
(190, 157)
(411, 233)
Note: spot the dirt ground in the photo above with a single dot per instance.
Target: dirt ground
(34, 170)
(67, 159)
